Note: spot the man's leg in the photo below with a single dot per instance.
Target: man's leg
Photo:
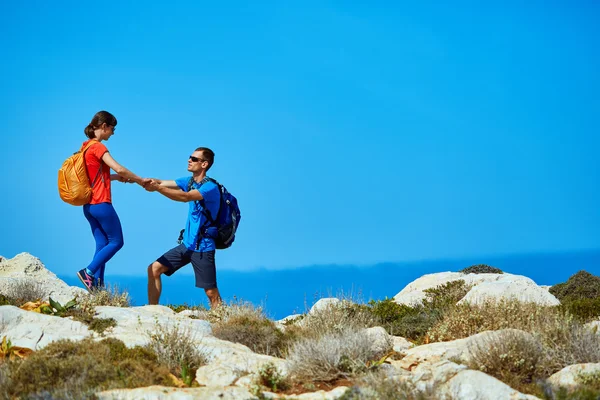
(155, 270)
(214, 297)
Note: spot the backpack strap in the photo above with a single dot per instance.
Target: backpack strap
(205, 211)
(99, 173)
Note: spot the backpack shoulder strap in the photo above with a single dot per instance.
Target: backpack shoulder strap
(83, 150)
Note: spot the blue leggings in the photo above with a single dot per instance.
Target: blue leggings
(106, 228)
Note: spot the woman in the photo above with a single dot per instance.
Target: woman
(103, 219)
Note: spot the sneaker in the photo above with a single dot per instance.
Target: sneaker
(88, 280)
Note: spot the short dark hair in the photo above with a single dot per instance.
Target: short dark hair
(101, 117)
(208, 155)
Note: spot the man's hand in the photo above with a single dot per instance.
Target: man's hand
(145, 182)
(151, 185)
(122, 179)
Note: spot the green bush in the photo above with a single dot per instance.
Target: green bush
(582, 285)
(413, 322)
(258, 333)
(584, 310)
(481, 269)
(83, 368)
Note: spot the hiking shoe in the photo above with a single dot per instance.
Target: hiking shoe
(88, 280)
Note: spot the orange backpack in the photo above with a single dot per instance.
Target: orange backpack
(73, 183)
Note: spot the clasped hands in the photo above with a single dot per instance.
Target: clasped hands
(149, 184)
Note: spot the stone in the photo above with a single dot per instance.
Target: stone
(521, 290)
(569, 377)
(163, 392)
(381, 341)
(35, 331)
(324, 304)
(476, 385)
(25, 267)
(400, 344)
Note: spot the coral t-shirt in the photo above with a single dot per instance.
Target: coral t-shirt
(99, 180)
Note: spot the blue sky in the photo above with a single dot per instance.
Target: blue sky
(351, 133)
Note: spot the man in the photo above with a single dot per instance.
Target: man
(197, 246)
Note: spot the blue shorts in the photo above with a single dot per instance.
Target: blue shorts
(203, 263)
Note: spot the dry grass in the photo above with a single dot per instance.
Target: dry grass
(466, 320)
(112, 295)
(332, 356)
(377, 385)
(22, 291)
(511, 356)
(175, 347)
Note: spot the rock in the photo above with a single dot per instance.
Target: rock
(381, 342)
(324, 304)
(475, 385)
(135, 323)
(35, 331)
(414, 293)
(594, 326)
(401, 344)
(25, 267)
(568, 377)
(192, 313)
(318, 395)
(227, 367)
(163, 392)
(455, 350)
(522, 290)
(426, 377)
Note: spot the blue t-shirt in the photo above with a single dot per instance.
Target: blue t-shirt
(196, 219)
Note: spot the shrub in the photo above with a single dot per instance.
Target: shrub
(331, 356)
(112, 296)
(582, 285)
(510, 355)
(336, 318)
(377, 385)
(99, 325)
(80, 369)
(413, 322)
(176, 349)
(585, 310)
(259, 334)
(465, 320)
(269, 376)
(182, 307)
(21, 292)
(481, 269)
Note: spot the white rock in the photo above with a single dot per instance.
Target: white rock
(568, 377)
(319, 395)
(227, 367)
(522, 290)
(135, 323)
(401, 344)
(414, 293)
(381, 341)
(25, 267)
(35, 331)
(164, 393)
(475, 385)
(455, 350)
(594, 326)
(428, 376)
(324, 304)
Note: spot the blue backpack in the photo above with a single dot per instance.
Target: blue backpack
(227, 220)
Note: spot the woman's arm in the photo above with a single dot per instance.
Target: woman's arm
(121, 170)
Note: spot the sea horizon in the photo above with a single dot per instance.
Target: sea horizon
(282, 292)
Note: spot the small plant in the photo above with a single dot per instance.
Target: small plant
(182, 307)
(112, 296)
(270, 377)
(510, 355)
(176, 349)
(331, 356)
(100, 325)
(481, 269)
(10, 352)
(22, 291)
(377, 385)
(55, 308)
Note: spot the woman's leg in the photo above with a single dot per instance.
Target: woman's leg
(110, 224)
(99, 235)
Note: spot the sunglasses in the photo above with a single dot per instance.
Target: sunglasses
(196, 159)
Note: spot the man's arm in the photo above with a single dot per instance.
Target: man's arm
(166, 189)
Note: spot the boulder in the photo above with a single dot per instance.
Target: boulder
(163, 392)
(324, 304)
(476, 385)
(25, 267)
(455, 350)
(495, 286)
(381, 341)
(134, 324)
(568, 378)
(35, 331)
